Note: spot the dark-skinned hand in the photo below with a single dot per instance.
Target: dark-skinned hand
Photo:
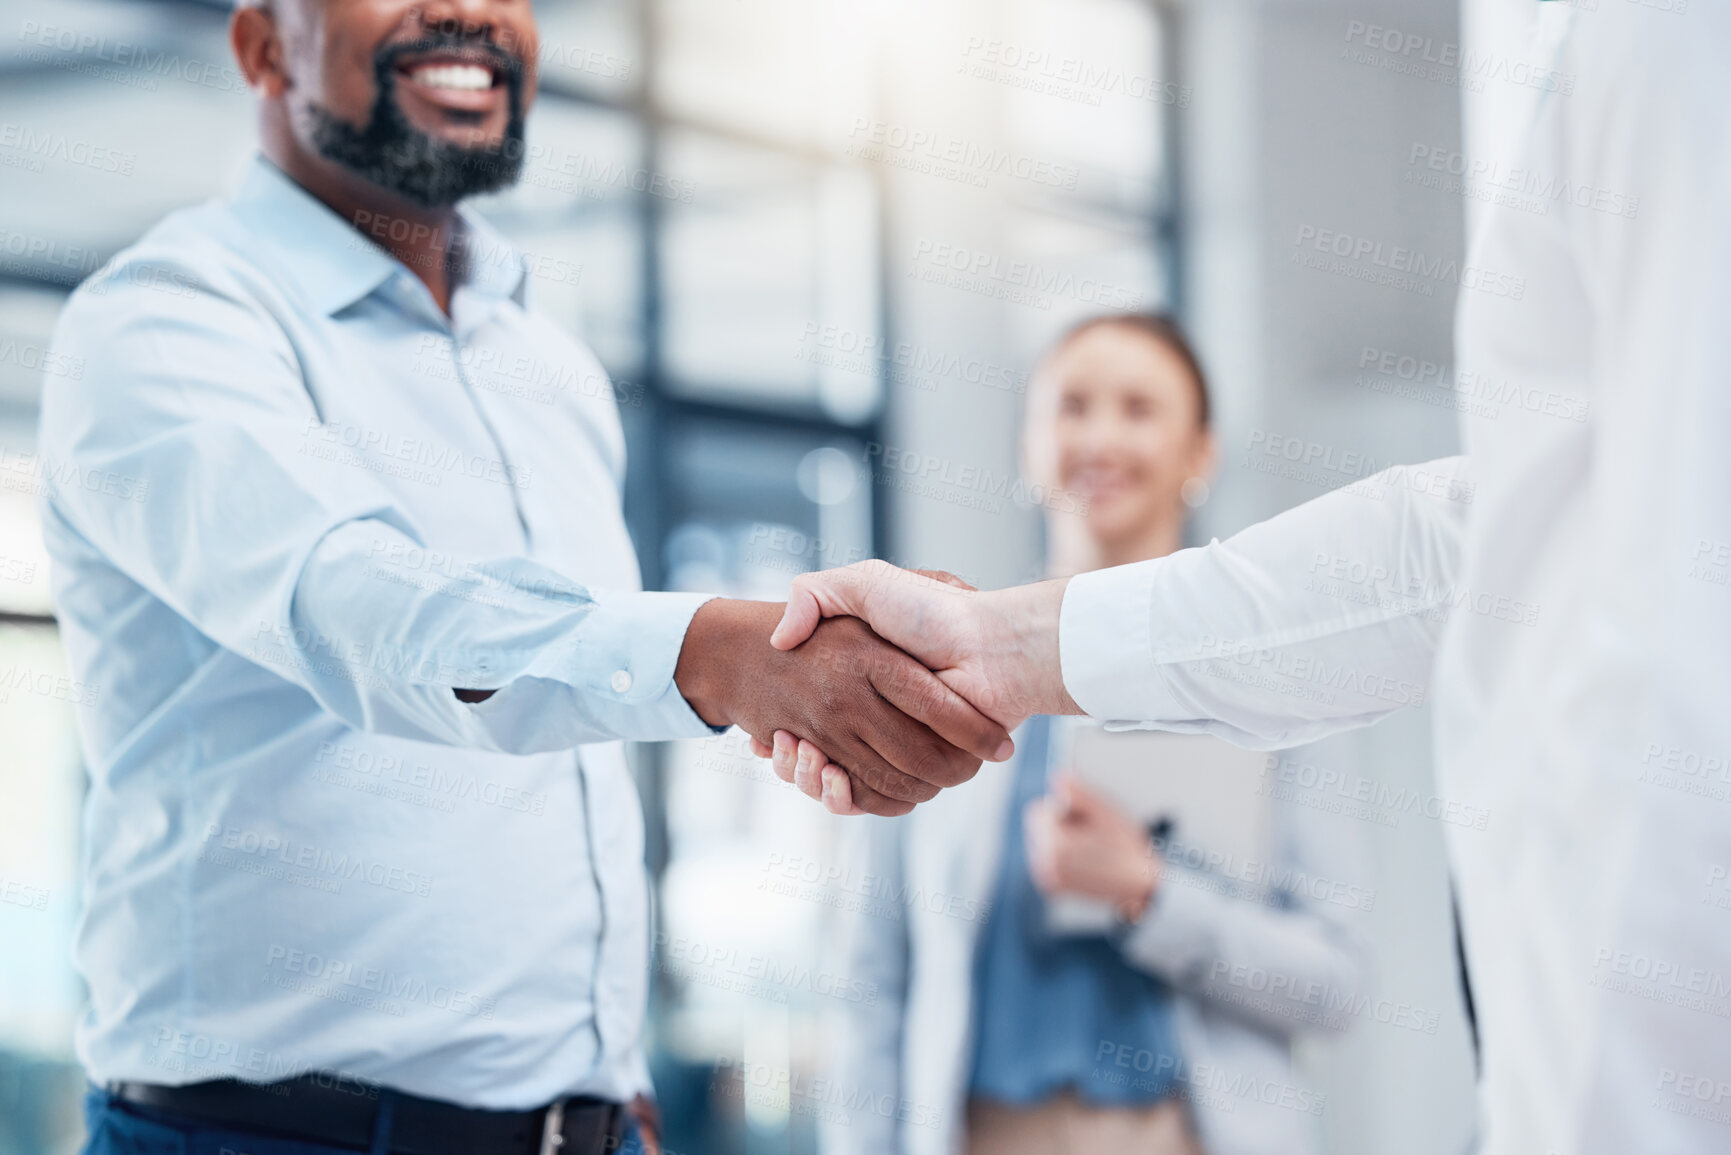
(899, 732)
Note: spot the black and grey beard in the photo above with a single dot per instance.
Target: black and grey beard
(393, 154)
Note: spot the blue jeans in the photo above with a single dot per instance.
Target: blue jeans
(119, 1128)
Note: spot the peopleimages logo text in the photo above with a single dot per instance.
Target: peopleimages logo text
(1398, 259)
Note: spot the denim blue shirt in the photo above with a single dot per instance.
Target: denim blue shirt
(1052, 1011)
(291, 504)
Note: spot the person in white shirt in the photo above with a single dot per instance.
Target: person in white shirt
(1561, 591)
(1020, 1037)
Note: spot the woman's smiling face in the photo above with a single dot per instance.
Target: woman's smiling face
(1117, 422)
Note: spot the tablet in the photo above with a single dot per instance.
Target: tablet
(1206, 796)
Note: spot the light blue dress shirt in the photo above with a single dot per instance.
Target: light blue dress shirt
(290, 505)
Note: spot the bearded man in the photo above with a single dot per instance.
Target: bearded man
(364, 631)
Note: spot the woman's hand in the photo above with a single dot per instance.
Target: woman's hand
(1079, 843)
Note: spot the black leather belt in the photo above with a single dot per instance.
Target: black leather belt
(343, 1112)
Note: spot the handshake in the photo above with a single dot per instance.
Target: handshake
(875, 687)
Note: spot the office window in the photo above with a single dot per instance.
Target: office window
(790, 71)
(592, 50)
(768, 249)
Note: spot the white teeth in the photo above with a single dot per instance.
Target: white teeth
(470, 77)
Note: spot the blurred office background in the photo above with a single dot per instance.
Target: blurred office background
(818, 244)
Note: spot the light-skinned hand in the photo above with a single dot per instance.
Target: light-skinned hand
(1079, 843)
(899, 731)
(998, 650)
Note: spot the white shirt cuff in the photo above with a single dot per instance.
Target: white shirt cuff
(1106, 645)
(628, 649)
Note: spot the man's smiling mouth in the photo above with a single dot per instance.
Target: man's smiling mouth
(459, 81)
(459, 77)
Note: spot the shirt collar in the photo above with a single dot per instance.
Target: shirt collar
(335, 264)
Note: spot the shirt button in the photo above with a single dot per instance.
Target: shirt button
(621, 681)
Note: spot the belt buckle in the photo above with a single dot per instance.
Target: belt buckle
(553, 1128)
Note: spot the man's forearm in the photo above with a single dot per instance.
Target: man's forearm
(553, 664)
(1236, 638)
(1020, 641)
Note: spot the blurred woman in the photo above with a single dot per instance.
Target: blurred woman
(991, 1033)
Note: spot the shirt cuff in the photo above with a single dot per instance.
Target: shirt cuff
(1106, 646)
(624, 654)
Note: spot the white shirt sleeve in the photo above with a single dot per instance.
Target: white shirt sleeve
(1320, 619)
